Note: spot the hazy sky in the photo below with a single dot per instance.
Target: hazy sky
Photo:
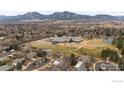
(14, 7)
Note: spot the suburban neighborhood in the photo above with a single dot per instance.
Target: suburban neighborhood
(62, 45)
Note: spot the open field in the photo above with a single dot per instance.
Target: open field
(46, 45)
(96, 44)
(77, 45)
(94, 47)
(91, 47)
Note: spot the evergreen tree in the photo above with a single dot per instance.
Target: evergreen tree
(110, 53)
(73, 59)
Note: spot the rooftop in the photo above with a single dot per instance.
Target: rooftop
(18, 60)
(106, 66)
(64, 38)
(80, 66)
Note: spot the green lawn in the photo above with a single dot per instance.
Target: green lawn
(55, 48)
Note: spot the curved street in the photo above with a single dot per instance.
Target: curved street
(35, 65)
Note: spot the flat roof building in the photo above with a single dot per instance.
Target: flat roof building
(66, 39)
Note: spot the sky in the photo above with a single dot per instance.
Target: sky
(92, 7)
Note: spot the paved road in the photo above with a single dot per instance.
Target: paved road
(34, 65)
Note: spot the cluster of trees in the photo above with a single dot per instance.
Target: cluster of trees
(122, 52)
(73, 60)
(31, 31)
(119, 43)
(19, 66)
(121, 64)
(88, 61)
(110, 53)
(114, 57)
(2, 63)
(41, 53)
(14, 46)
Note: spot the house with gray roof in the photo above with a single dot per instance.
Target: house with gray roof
(106, 66)
(48, 52)
(18, 61)
(82, 61)
(65, 39)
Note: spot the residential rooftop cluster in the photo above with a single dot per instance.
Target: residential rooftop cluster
(18, 54)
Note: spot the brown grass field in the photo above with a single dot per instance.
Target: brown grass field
(91, 47)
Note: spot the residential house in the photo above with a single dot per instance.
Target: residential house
(80, 66)
(82, 61)
(17, 63)
(56, 62)
(65, 39)
(105, 66)
(48, 52)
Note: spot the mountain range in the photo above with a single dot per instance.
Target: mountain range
(60, 16)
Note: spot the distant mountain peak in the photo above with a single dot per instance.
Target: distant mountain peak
(31, 13)
(65, 15)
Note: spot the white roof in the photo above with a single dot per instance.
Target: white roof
(1, 38)
(78, 64)
(56, 62)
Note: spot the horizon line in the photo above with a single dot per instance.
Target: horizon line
(91, 13)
